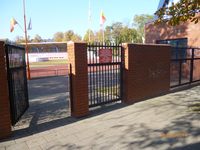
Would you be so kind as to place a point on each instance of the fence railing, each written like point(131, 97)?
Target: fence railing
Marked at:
point(105, 73)
point(49, 72)
point(185, 66)
point(47, 66)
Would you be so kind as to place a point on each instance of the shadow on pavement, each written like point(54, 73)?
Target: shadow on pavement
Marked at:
point(160, 123)
point(37, 128)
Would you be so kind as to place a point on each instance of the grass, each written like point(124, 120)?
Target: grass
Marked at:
point(48, 63)
point(108, 90)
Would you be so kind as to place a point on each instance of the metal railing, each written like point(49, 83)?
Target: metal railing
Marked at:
point(48, 72)
point(105, 73)
point(185, 66)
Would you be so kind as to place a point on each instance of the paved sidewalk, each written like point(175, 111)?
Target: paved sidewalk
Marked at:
point(49, 101)
point(167, 122)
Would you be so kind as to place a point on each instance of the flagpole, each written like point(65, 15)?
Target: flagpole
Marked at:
point(102, 29)
point(103, 32)
point(89, 17)
point(26, 41)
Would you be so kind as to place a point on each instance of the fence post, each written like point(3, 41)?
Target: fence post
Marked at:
point(77, 56)
point(5, 122)
point(192, 66)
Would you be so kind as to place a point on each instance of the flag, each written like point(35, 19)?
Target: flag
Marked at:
point(13, 22)
point(30, 25)
point(102, 18)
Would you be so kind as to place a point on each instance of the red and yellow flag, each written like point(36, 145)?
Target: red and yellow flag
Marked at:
point(13, 22)
point(102, 18)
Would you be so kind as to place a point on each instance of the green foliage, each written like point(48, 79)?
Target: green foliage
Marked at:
point(67, 36)
point(129, 35)
point(180, 12)
point(37, 38)
point(21, 39)
point(71, 36)
point(58, 36)
point(117, 33)
point(98, 36)
point(106, 90)
point(139, 22)
point(86, 36)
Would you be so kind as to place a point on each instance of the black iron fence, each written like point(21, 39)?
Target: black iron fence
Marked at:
point(185, 66)
point(105, 73)
point(17, 81)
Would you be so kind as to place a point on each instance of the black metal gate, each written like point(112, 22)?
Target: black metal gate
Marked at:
point(17, 81)
point(105, 73)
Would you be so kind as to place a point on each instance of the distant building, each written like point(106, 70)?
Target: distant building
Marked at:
point(183, 35)
point(47, 47)
point(45, 51)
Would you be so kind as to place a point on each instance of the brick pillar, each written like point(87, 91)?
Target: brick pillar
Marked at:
point(77, 56)
point(5, 122)
point(147, 71)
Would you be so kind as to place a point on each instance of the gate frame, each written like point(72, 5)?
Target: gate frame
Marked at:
point(13, 109)
point(94, 63)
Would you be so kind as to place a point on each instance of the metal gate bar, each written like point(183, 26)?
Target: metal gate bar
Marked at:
point(105, 78)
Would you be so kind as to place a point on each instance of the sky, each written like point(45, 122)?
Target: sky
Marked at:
point(51, 16)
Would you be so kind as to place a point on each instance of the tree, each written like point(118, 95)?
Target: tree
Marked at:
point(116, 31)
point(21, 39)
point(129, 35)
point(121, 34)
point(58, 37)
point(77, 38)
point(37, 38)
point(71, 36)
point(99, 36)
point(86, 36)
point(139, 22)
point(68, 35)
point(182, 11)
point(108, 34)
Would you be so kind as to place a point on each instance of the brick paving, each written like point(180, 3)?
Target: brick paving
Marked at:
point(166, 122)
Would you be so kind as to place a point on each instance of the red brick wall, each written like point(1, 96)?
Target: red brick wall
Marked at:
point(163, 31)
point(5, 122)
point(147, 71)
point(77, 53)
point(187, 30)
